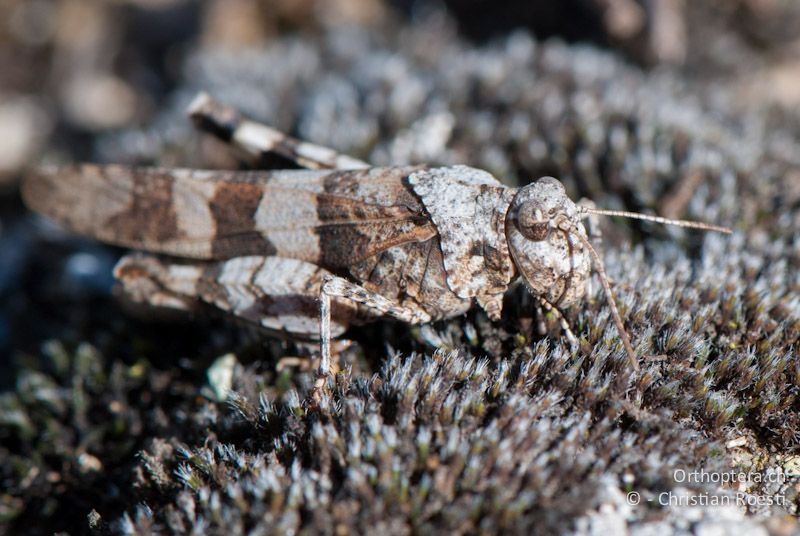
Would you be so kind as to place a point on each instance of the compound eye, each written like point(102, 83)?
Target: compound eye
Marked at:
point(532, 223)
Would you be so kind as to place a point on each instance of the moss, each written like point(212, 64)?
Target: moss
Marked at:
point(505, 430)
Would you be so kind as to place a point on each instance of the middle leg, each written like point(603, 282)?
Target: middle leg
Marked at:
point(338, 287)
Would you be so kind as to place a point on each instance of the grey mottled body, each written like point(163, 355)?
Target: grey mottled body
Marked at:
point(430, 239)
point(308, 252)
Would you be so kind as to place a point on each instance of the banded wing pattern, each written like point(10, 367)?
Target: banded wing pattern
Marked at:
point(330, 218)
point(275, 293)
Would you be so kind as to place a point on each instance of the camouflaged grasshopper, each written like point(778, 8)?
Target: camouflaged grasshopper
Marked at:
point(309, 252)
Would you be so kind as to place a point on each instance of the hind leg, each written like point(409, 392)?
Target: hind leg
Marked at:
point(272, 292)
point(259, 140)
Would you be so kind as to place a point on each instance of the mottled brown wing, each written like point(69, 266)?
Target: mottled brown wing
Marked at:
point(330, 218)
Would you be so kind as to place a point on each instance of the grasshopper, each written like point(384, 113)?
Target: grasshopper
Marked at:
point(309, 252)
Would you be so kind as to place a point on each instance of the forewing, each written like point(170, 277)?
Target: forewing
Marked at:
point(329, 218)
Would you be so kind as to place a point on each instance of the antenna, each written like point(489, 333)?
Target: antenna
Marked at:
point(601, 271)
point(598, 262)
point(658, 219)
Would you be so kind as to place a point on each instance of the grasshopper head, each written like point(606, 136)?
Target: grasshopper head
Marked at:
point(540, 228)
point(552, 252)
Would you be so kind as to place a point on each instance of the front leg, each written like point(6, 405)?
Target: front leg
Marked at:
point(338, 287)
point(562, 321)
point(595, 234)
point(592, 221)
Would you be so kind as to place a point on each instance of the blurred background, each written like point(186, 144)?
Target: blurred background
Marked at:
point(686, 108)
point(75, 70)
